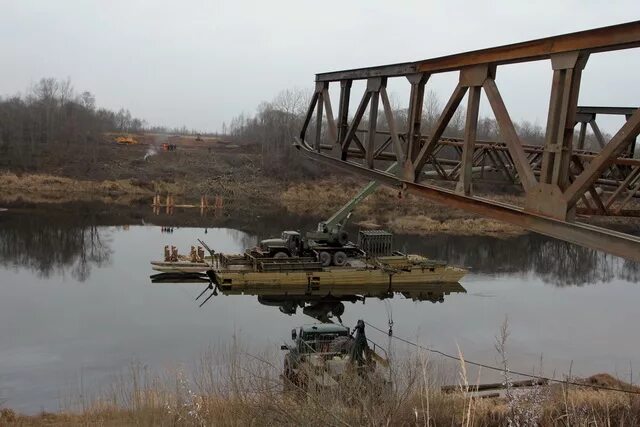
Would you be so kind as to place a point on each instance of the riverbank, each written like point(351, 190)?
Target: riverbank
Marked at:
point(259, 401)
point(319, 199)
point(387, 209)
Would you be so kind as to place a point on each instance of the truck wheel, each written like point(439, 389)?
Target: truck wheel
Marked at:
point(339, 258)
point(280, 254)
point(324, 258)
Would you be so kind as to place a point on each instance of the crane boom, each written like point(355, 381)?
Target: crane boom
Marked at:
point(332, 227)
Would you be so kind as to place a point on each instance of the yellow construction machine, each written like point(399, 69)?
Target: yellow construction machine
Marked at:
point(126, 140)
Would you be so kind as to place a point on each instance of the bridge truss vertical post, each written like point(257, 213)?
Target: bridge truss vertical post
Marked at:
point(343, 115)
point(373, 87)
point(414, 122)
point(472, 78)
point(547, 199)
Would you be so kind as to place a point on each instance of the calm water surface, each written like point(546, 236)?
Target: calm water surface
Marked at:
point(76, 301)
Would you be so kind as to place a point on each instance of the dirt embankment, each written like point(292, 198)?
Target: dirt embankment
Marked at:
point(319, 198)
point(118, 173)
point(121, 174)
point(386, 208)
point(57, 189)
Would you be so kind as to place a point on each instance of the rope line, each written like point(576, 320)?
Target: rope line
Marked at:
point(495, 368)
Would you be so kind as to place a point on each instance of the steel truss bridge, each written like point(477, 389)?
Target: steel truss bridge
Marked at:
point(562, 182)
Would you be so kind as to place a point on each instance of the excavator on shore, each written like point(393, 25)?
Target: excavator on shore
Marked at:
point(126, 140)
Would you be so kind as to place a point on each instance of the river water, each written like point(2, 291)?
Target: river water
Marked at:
point(77, 305)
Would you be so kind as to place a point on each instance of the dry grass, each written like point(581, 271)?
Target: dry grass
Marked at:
point(385, 208)
point(48, 183)
point(235, 388)
point(477, 226)
point(39, 188)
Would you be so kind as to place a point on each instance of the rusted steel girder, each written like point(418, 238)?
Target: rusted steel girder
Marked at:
point(616, 243)
point(615, 37)
point(554, 177)
point(616, 183)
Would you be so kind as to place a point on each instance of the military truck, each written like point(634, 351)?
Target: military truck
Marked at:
point(329, 243)
point(323, 354)
point(291, 244)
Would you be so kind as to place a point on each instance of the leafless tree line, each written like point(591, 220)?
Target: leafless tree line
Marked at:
point(52, 112)
point(275, 124)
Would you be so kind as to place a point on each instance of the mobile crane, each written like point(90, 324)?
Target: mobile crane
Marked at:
point(329, 243)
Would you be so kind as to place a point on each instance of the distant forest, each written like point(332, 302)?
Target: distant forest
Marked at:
point(51, 117)
point(51, 112)
point(275, 124)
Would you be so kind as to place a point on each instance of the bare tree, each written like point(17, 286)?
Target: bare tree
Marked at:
point(430, 110)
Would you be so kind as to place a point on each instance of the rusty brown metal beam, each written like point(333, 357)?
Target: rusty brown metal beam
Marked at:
point(592, 172)
point(528, 148)
point(615, 37)
point(513, 143)
point(616, 111)
point(391, 122)
point(624, 186)
point(441, 125)
point(414, 116)
point(620, 244)
point(350, 135)
point(473, 108)
point(554, 176)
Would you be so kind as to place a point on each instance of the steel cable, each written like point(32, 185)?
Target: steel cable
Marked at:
point(495, 368)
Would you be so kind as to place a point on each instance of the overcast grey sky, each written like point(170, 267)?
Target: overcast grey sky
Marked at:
point(200, 63)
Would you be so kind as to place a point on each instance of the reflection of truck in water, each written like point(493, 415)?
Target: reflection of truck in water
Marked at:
point(325, 355)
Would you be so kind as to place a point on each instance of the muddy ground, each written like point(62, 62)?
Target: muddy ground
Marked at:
point(125, 174)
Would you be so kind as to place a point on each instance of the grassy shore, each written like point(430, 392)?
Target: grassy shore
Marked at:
point(246, 390)
point(318, 198)
point(387, 209)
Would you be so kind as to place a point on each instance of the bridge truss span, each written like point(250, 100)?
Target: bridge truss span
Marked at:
point(562, 182)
